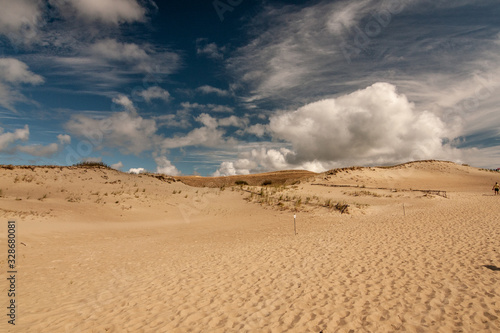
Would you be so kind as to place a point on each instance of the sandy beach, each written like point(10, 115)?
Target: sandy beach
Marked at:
point(410, 248)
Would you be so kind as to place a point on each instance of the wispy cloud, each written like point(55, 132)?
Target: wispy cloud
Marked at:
point(154, 93)
point(210, 50)
point(207, 107)
point(299, 54)
point(208, 135)
point(13, 73)
point(107, 11)
point(129, 132)
point(206, 89)
point(20, 20)
point(39, 149)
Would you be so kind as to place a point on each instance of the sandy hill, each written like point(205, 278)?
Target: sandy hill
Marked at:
point(286, 177)
point(412, 247)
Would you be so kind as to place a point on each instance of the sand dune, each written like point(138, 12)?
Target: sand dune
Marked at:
point(107, 251)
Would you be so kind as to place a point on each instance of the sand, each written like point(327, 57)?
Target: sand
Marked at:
point(106, 251)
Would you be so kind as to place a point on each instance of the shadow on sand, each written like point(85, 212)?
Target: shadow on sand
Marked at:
point(493, 268)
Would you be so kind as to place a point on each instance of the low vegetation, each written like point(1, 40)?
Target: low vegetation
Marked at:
point(275, 198)
point(90, 164)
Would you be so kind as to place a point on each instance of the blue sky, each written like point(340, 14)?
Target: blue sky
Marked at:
point(237, 86)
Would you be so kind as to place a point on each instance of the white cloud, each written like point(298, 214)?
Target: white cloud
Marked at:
point(154, 93)
point(15, 71)
point(136, 58)
point(188, 105)
point(107, 11)
point(19, 20)
point(211, 50)
point(371, 126)
point(220, 108)
point(209, 135)
point(12, 74)
point(64, 139)
point(259, 130)
point(7, 138)
point(180, 119)
point(232, 121)
point(163, 165)
point(39, 150)
point(111, 49)
point(256, 160)
point(206, 89)
point(136, 170)
point(228, 169)
point(117, 165)
point(127, 131)
point(92, 159)
point(207, 107)
point(207, 120)
point(125, 102)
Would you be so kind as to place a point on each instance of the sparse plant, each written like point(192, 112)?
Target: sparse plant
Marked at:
point(73, 198)
point(342, 208)
point(91, 164)
point(298, 203)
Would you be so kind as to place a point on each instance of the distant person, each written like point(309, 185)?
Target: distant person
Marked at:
point(496, 188)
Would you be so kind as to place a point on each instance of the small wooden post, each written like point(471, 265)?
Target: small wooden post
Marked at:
point(404, 211)
point(294, 224)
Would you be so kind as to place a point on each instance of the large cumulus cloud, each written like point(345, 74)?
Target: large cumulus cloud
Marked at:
point(375, 125)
